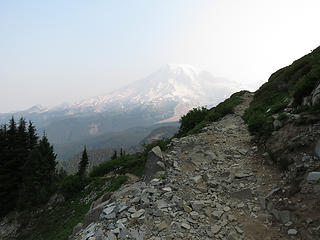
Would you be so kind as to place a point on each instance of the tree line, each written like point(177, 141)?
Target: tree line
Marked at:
point(27, 166)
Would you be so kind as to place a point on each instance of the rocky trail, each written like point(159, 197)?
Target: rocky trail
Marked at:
point(215, 186)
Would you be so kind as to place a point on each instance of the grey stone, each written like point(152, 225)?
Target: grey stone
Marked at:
point(242, 194)
point(277, 124)
point(77, 228)
point(217, 214)
point(241, 174)
point(55, 199)
point(292, 231)
point(262, 202)
point(197, 179)
point(194, 215)
point(226, 209)
point(167, 189)
point(306, 101)
point(197, 205)
point(156, 182)
point(109, 210)
point(211, 154)
point(313, 176)
point(137, 235)
point(161, 164)
point(135, 200)
point(316, 96)
point(138, 214)
point(232, 236)
point(111, 236)
point(163, 225)
point(105, 197)
point(215, 229)
point(284, 216)
point(162, 204)
point(151, 167)
point(239, 230)
point(132, 209)
point(99, 235)
point(273, 191)
point(122, 208)
point(185, 226)
point(275, 213)
point(270, 206)
point(317, 149)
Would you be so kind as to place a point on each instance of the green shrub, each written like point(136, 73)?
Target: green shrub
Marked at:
point(258, 123)
point(305, 85)
point(72, 185)
point(282, 116)
point(117, 182)
point(197, 118)
point(162, 143)
point(277, 107)
point(120, 165)
point(191, 119)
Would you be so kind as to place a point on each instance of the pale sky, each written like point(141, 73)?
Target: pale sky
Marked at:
point(64, 51)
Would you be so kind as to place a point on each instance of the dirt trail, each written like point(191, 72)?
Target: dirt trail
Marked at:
point(214, 188)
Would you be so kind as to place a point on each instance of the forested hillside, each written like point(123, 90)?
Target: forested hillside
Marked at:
point(27, 167)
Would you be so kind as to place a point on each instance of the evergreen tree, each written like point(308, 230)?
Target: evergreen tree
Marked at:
point(48, 161)
point(27, 167)
point(38, 174)
point(83, 163)
point(10, 175)
point(114, 156)
point(32, 136)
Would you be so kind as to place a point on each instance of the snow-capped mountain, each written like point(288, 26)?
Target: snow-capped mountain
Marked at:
point(180, 83)
point(163, 96)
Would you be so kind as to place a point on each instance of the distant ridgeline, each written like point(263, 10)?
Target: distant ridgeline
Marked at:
point(27, 167)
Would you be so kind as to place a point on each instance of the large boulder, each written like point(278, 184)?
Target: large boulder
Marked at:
point(154, 163)
point(316, 96)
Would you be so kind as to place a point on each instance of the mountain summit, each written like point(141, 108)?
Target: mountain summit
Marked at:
point(180, 83)
point(163, 96)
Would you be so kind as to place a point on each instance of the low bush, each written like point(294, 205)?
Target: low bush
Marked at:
point(197, 118)
point(305, 85)
point(282, 116)
point(120, 165)
point(191, 119)
point(72, 185)
point(117, 182)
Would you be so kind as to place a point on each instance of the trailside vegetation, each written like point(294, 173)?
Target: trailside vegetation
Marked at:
point(127, 163)
point(197, 118)
point(291, 83)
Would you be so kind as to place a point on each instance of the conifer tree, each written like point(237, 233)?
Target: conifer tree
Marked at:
point(114, 156)
point(27, 166)
point(48, 161)
point(32, 136)
point(83, 163)
point(38, 174)
point(121, 152)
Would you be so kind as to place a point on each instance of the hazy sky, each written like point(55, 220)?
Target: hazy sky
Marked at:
point(63, 51)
